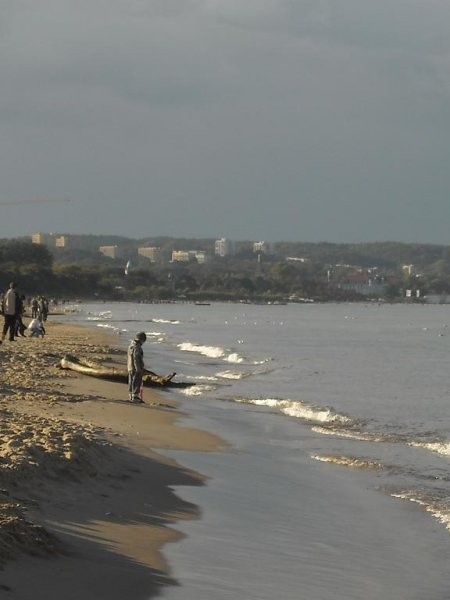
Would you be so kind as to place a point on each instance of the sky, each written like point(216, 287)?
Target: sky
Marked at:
point(276, 120)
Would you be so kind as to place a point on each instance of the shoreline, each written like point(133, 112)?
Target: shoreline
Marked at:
point(86, 501)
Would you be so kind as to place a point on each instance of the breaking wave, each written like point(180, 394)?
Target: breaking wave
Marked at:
point(438, 447)
point(211, 352)
point(299, 410)
point(198, 390)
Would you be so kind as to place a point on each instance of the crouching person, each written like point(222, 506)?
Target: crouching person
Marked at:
point(135, 366)
point(36, 328)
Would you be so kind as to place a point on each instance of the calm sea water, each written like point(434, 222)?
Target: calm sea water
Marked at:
point(338, 484)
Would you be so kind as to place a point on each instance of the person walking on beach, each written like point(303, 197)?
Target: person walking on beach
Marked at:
point(135, 366)
point(34, 307)
point(20, 327)
point(11, 307)
point(42, 308)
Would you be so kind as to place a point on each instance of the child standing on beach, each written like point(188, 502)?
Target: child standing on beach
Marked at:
point(135, 366)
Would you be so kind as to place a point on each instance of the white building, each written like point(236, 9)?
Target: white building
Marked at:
point(261, 247)
point(189, 255)
point(43, 239)
point(110, 251)
point(62, 241)
point(153, 253)
point(223, 247)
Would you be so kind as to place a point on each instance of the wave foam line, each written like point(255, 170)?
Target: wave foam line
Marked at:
point(437, 447)
point(437, 508)
point(115, 330)
point(349, 461)
point(351, 435)
point(174, 322)
point(299, 410)
point(198, 390)
point(232, 375)
point(107, 314)
point(211, 352)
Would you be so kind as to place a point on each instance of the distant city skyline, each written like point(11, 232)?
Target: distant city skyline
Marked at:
point(279, 120)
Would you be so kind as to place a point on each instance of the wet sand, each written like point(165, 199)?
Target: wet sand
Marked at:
point(86, 500)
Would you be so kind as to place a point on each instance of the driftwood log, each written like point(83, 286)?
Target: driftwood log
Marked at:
point(88, 367)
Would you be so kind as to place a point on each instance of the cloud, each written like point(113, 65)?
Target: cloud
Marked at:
point(280, 110)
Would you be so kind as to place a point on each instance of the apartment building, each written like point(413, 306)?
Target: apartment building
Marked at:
point(153, 253)
point(110, 251)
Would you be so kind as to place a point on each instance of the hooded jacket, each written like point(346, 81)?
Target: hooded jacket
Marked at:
point(135, 357)
point(11, 302)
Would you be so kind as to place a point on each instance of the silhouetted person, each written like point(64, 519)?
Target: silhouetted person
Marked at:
point(135, 366)
point(11, 307)
point(20, 327)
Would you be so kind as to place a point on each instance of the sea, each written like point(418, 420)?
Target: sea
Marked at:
point(336, 484)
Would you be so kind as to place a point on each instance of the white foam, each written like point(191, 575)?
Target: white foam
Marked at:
point(231, 375)
point(438, 447)
point(262, 362)
point(113, 328)
point(211, 352)
point(299, 410)
point(348, 461)
point(270, 402)
point(349, 435)
point(107, 314)
point(197, 390)
point(442, 514)
point(234, 357)
point(165, 321)
point(310, 413)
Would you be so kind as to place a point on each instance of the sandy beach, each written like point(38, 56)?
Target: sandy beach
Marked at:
point(86, 500)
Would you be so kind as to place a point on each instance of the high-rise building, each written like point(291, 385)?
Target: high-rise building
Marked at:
point(261, 248)
point(222, 247)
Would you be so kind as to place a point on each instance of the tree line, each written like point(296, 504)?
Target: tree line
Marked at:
point(317, 273)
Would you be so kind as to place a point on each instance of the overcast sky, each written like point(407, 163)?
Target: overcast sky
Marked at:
point(301, 120)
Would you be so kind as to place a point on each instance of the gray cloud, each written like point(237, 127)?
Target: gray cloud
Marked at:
point(278, 119)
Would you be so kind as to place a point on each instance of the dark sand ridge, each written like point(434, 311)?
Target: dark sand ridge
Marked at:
point(86, 502)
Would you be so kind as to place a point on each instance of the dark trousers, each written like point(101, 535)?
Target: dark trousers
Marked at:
point(20, 327)
point(9, 325)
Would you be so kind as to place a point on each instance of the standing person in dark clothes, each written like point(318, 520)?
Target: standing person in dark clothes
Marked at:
point(135, 366)
point(42, 308)
point(34, 307)
point(20, 327)
point(11, 306)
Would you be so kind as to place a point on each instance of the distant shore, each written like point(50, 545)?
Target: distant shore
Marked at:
point(85, 501)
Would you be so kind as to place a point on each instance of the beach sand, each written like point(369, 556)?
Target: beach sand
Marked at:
point(86, 501)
